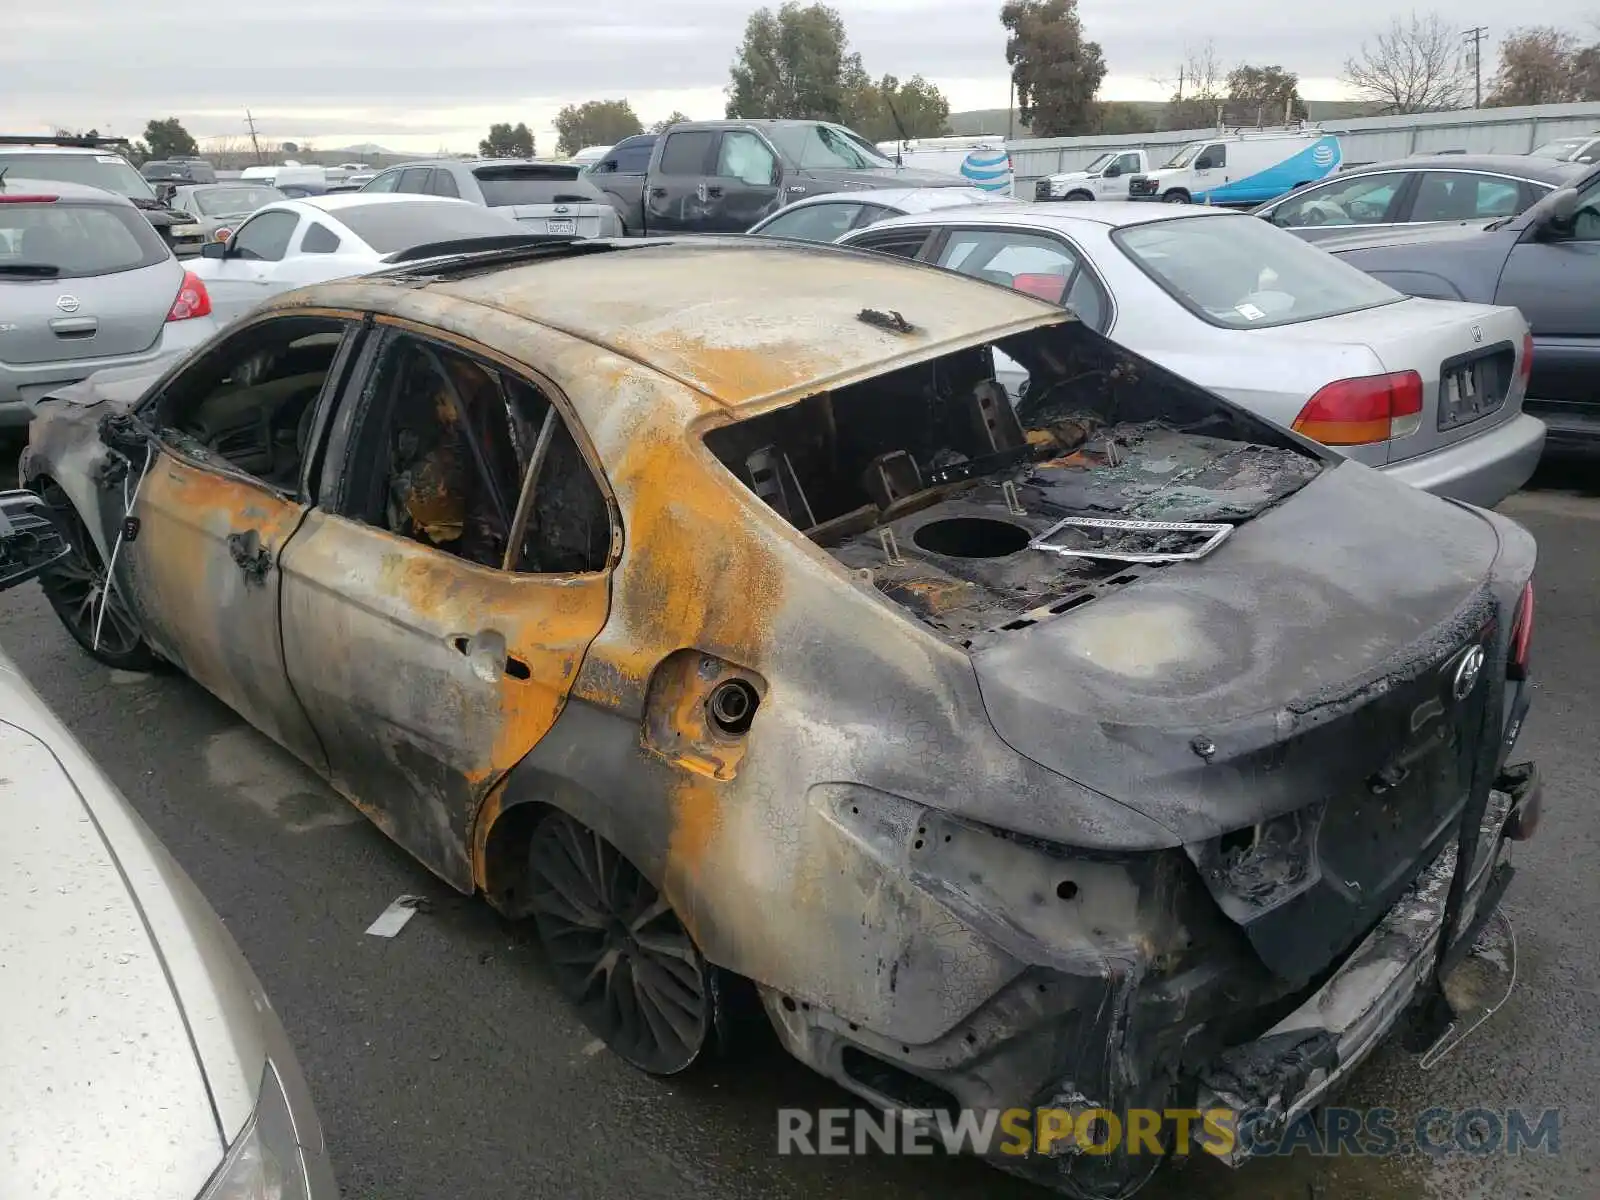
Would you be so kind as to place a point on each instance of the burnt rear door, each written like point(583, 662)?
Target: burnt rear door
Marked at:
point(428, 667)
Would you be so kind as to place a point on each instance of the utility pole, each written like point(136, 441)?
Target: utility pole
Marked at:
point(1011, 108)
point(255, 142)
point(1475, 35)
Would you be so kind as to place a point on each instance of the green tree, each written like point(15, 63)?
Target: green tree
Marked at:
point(920, 107)
point(1538, 65)
point(667, 122)
point(594, 123)
point(1264, 95)
point(1120, 116)
point(1056, 71)
point(794, 62)
point(507, 141)
point(168, 139)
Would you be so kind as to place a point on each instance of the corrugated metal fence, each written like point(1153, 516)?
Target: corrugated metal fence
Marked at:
point(1364, 139)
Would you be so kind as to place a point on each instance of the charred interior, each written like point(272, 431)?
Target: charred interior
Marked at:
point(983, 501)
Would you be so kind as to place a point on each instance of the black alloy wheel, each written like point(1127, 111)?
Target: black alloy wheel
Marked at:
point(618, 951)
point(75, 586)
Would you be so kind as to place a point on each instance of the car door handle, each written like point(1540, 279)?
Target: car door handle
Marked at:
point(251, 557)
point(658, 193)
point(487, 655)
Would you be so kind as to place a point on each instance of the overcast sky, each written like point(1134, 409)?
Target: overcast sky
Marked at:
point(418, 75)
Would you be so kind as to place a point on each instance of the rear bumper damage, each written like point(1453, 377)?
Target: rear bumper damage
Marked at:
point(1140, 1033)
point(1296, 1065)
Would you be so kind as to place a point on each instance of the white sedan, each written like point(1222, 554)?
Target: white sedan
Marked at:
point(1429, 390)
point(296, 242)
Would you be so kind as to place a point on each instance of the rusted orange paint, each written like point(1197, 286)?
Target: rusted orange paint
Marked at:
point(196, 598)
point(677, 725)
point(546, 621)
point(732, 374)
point(488, 813)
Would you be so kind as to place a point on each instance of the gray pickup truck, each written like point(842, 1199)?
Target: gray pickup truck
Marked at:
point(724, 176)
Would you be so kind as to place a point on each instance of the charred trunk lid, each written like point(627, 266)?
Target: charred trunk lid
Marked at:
point(1292, 706)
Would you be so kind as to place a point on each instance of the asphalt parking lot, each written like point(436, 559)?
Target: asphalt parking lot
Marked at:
point(444, 1065)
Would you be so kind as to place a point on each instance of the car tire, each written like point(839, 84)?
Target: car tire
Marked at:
point(1080, 196)
point(74, 588)
point(619, 953)
point(1175, 196)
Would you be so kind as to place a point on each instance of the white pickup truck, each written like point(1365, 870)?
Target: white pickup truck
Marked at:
point(1106, 178)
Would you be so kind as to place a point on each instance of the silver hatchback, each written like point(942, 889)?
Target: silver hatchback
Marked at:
point(85, 283)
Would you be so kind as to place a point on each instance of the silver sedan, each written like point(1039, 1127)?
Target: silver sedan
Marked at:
point(140, 1056)
point(1429, 390)
point(824, 217)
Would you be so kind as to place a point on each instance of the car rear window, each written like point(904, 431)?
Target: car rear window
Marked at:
point(406, 223)
point(230, 202)
point(1239, 272)
point(76, 239)
point(526, 183)
point(109, 171)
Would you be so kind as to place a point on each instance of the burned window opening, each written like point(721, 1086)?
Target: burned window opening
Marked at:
point(476, 462)
point(931, 481)
point(251, 401)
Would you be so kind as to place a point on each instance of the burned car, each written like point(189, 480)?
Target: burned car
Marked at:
point(1115, 750)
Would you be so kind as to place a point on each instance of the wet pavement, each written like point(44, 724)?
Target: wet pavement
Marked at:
point(444, 1065)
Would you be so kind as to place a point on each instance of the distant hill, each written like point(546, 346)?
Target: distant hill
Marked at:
point(993, 120)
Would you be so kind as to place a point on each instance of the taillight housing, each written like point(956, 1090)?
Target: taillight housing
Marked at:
point(192, 300)
point(1521, 636)
point(222, 235)
point(1358, 412)
point(1525, 371)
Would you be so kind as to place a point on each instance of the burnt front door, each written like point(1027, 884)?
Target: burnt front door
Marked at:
point(222, 500)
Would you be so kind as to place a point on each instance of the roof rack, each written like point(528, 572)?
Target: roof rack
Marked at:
point(79, 142)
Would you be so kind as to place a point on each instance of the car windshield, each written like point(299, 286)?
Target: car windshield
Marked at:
point(819, 145)
point(1242, 273)
point(406, 223)
point(1182, 157)
point(235, 201)
point(68, 241)
point(1099, 162)
point(1562, 148)
point(109, 171)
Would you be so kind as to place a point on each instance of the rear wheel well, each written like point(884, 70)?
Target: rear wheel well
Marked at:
point(505, 856)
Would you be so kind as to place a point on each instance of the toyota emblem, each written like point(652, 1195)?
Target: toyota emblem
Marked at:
point(1467, 672)
point(67, 304)
point(1477, 333)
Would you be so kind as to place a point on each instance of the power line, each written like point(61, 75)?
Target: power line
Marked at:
point(1476, 36)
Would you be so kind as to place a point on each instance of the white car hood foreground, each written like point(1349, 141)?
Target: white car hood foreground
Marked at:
point(135, 1034)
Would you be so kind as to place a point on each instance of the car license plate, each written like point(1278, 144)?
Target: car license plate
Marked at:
point(1468, 392)
point(561, 225)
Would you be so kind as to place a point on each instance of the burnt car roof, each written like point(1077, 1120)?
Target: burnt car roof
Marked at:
point(739, 320)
